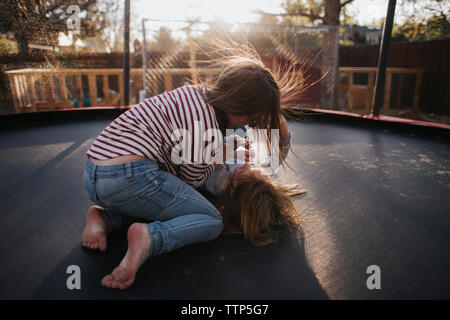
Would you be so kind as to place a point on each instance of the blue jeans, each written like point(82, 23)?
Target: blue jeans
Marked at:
point(138, 190)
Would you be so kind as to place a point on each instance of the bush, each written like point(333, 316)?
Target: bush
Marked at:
point(8, 47)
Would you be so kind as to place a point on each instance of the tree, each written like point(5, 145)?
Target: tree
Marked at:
point(39, 21)
point(7, 46)
point(424, 20)
point(436, 27)
point(312, 12)
point(163, 40)
point(419, 11)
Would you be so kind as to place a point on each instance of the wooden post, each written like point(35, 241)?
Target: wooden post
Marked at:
point(92, 89)
point(13, 93)
point(121, 89)
point(79, 86)
point(20, 93)
point(47, 82)
point(63, 88)
point(167, 81)
point(106, 89)
point(31, 83)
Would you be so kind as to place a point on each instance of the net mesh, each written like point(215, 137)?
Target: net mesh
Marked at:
point(180, 52)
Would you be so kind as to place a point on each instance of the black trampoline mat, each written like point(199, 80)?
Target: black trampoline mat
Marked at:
point(375, 196)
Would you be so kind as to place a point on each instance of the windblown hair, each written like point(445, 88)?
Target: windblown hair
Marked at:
point(245, 86)
point(259, 209)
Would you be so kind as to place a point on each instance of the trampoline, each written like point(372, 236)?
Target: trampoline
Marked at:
point(377, 194)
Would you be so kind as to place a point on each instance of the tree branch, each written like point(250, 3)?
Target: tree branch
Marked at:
point(58, 5)
point(297, 13)
point(343, 4)
point(434, 9)
point(55, 6)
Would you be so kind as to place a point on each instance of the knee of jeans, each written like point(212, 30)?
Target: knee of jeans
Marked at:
point(219, 228)
point(219, 221)
point(214, 229)
point(216, 225)
point(215, 213)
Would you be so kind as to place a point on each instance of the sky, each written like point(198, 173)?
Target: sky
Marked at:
point(233, 11)
point(365, 12)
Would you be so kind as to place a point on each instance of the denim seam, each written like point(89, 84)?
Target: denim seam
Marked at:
point(186, 197)
point(189, 225)
point(152, 201)
point(209, 206)
point(153, 237)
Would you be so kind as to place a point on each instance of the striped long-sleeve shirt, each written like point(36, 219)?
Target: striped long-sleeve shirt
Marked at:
point(156, 125)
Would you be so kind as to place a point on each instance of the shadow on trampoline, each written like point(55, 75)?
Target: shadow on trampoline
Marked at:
point(227, 268)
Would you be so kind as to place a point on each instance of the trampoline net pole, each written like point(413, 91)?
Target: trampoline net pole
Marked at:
point(126, 55)
point(378, 98)
point(176, 52)
point(144, 62)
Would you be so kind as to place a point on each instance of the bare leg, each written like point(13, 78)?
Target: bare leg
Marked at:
point(138, 251)
point(95, 231)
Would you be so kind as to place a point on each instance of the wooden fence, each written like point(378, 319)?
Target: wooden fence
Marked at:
point(358, 97)
point(46, 89)
point(431, 56)
point(428, 60)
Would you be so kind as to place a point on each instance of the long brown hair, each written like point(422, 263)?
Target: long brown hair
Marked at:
point(245, 86)
point(258, 208)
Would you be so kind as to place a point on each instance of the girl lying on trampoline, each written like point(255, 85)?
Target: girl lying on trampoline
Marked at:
point(132, 170)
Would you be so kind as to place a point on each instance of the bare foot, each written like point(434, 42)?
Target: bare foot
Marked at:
point(138, 251)
point(94, 235)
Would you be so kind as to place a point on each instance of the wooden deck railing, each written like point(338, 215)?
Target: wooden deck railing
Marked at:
point(46, 89)
point(359, 96)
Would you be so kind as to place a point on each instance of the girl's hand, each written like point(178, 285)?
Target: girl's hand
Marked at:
point(244, 151)
point(229, 151)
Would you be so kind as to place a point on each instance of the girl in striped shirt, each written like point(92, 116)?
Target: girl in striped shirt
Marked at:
point(147, 163)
